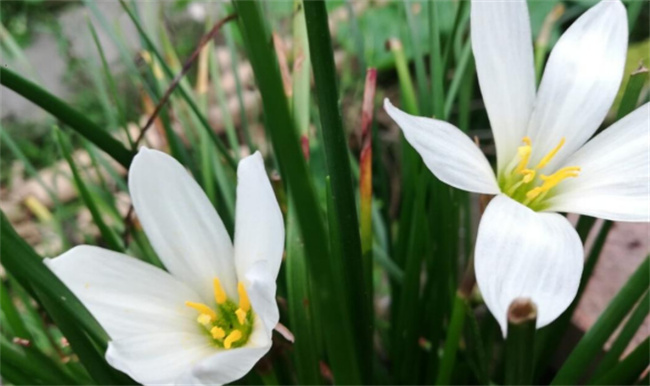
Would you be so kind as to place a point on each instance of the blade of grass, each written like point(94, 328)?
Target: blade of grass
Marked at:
point(337, 326)
point(631, 95)
point(26, 266)
point(623, 339)
point(418, 59)
point(86, 351)
point(356, 270)
point(66, 114)
point(629, 369)
point(107, 233)
point(456, 324)
point(111, 84)
point(598, 334)
point(436, 70)
point(182, 90)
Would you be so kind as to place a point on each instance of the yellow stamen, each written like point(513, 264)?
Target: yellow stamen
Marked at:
point(203, 309)
point(529, 175)
point(241, 315)
point(232, 338)
point(219, 293)
point(524, 155)
point(217, 332)
point(552, 180)
point(527, 141)
point(204, 319)
point(244, 303)
point(548, 157)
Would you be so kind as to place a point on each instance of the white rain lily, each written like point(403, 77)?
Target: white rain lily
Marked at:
point(545, 160)
point(210, 318)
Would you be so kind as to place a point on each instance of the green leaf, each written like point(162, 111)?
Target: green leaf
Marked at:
point(629, 369)
point(456, 324)
point(336, 320)
point(66, 114)
point(606, 324)
point(356, 271)
point(107, 233)
point(623, 339)
point(26, 266)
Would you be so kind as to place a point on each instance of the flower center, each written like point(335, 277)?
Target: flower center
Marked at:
point(230, 325)
point(525, 184)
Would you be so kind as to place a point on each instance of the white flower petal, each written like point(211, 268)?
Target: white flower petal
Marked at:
point(227, 366)
point(450, 154)
point(503, 50)
point(127, 296)
point(614, 181)
point(181, 223)
point(157, 358)
point(521, 253)
point(259, 237)
point(580, 82)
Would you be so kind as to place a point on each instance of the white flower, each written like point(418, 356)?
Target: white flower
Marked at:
point(545, 163)
point(208, 320)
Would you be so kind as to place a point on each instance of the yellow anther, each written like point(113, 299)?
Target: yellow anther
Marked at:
point(244, 303)
point(529, 175)
point(524, 155)
point(204, 319)
point(533, 193)
point(217, 332)
point(219, 293)
point(203, 309)
point(241, 315)
point(548, 157)
point(232, 338)
point(552, 180)
point(527, 141)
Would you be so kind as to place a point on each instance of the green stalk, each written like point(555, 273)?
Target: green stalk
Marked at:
point(632, 91)
point(86, 351)
point(66, 114)
point(522, 318)
point(598, 334)
point(409, 99)
point(437, 70)
point(108, 235)
point(418, 59)
point(408, 310)
point(338, 331)
point(456, 324)
point(338, 169)
point(300, 306)
point(629, 369)
point(234, 64)
point(459, 75)
point(307, 347)
point(26, 266)
point(624, 337)
point(185, 94)
point(12, 315)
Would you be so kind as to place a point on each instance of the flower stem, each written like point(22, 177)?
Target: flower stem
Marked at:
point(522, 318)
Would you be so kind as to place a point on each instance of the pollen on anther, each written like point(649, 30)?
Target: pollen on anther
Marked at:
point(232, 338)
point(241, 315)
point(204, 319)
point(244, 303)
point(217, 333)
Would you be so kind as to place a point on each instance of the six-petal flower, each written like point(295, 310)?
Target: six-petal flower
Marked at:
point(523, 248)
point(210, 318)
